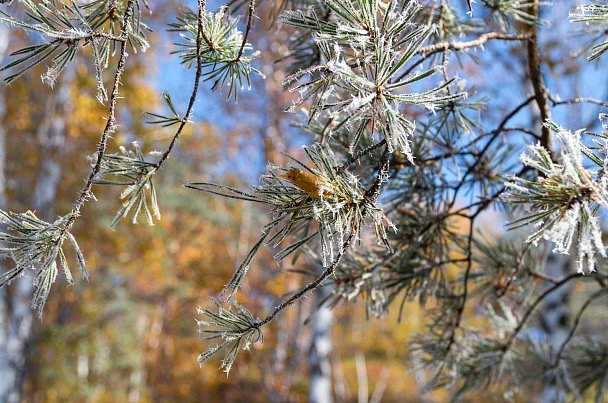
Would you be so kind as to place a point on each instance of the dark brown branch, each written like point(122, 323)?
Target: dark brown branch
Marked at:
point(201, 32)
point(520, 264)
point(538, 83)
point(309, 287)
point(532, 307)
point(465, 287)
point(85, 193)
point(577, 320)
point(494, 133)
point(197, 78)
point(353, 158)
point(247, 30)
point(542, 276)
point(371, 194)
point(105, 35)
point(325, 130)
point(523, 130)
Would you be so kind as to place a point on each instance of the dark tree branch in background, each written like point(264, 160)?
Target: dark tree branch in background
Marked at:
point(520, 264)
point(371, 194)
point(580, 100)
point(598, 294)
point(465, 287)
point(430, 50)
point(354, 158)
point(538, 83)
point(494, 133)
point(524, 319)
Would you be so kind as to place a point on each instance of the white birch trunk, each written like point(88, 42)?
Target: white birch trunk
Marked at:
point(16, 315)
point(9, 345)
point(319, 359)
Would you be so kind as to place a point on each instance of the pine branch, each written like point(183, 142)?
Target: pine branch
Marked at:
point(595, 17)
point(430, 50)
point(598, 294)
point(578, 100)
point(250, 13)
point(304, 291)
point(41, 242)
point(110, 127)
point(197, 77)
point(220, 51)
point(465, 289)
point(524, 319)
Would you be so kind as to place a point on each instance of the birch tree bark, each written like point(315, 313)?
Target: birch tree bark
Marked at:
point(319, 390)
point(7, 372)
point(16, 316)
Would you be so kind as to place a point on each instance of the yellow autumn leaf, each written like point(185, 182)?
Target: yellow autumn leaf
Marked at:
point(308, 182)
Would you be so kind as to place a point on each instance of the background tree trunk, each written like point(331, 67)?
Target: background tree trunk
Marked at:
point(320, 390)
point(8, 374)
point(16, 316)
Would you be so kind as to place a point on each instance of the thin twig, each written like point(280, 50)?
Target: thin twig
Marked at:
point(532, 307)
point(197, 78)
point(311, 286)
point(371, 195)
point(353, 158)
point(520, 264)
point(542, 276)
point(105, 35)
point(501, 128)
point(85, 193)
point(578, 100)
point(430, 50)
point(481, 156)
point(247, 30)
point(594, 296)
point(465, 287)
point(445, 46)
point(325, 130)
